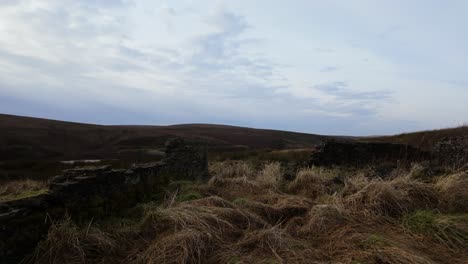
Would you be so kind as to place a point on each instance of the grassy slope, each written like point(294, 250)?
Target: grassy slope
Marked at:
point(423, 139)
point(33, 138)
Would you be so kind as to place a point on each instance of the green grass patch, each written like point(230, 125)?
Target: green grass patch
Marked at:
point(450, 230)
point(239, 201)
point(373, 241)
point(22, 195)
point(420, 222)
point(188, 196)
point(186, 190)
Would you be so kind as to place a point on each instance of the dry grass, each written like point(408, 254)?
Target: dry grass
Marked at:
point(271, 175)
point(324, 218)
point(453, 192)
point(67, 243)
point(252, 219)
point(309, 182)
point(21, 189)
point(392, 198)
point(450, 231)
point(355, 184)
point(232, 188)
point(186, 246)
point(232, 169)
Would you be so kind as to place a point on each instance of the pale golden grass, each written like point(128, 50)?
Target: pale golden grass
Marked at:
point(324, 218)
point(309, 182)
point(232, 188)
point(453, 192)
point(271, 175)
point(452, 231)
point(232, 169)
point(392, 198)
point(354, 184)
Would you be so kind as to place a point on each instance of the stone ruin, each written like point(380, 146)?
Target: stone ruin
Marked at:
point(355, 153)
point(452, 150)
point(449, 151)
point(92, 192)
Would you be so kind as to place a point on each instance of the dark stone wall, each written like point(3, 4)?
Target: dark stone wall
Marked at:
point(353, 153)
point(93, 192)
point(452, 150)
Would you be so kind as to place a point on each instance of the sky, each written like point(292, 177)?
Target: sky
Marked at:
point(339, 67)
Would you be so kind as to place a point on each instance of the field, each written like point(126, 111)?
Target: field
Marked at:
point(265, 204)
point(249, 213)
point(34, 148)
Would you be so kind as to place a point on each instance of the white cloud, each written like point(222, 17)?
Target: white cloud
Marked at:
point(323, 68)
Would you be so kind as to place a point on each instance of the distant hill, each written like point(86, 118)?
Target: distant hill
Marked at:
point(36, 138)
point(424, 139)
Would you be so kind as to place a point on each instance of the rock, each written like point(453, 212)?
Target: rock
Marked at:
point(354, 153)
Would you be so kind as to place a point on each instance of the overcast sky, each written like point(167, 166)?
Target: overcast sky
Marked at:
point(330, 67)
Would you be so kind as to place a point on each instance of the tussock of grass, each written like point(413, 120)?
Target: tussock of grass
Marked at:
point(309, 182)
point(322, 219)
point(232, 169)
point(233, 187)
point(275, 214)
point(392, 198)
point(355, 184)
point(448, 230)
point(67, 243)
point(273, 239)
point(271, 175)
point(186, 246)
point(380, 198)
point(453, 192)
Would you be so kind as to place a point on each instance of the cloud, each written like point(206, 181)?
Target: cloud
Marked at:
point(350, 102)
point(186, 62)
point(324, 50)
point(329, 69)
point(77, 62)
point(341, 92)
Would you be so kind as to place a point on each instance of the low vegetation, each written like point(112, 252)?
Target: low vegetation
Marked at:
point(18, 189)
point(249, 213)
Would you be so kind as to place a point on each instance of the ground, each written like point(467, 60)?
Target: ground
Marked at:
point(250, 213)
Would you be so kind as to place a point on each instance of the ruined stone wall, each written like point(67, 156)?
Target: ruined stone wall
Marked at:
point(452, 150)
point(353, 153)
point(93, 192)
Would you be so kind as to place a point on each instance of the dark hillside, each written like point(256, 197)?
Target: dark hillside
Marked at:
point(35, 138)
point(424, 139)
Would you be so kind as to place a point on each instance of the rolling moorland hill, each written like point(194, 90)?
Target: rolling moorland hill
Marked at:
point(36, 138)
point(423, 139)
point(358, 203)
